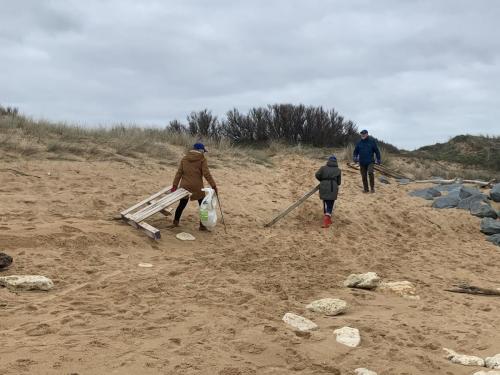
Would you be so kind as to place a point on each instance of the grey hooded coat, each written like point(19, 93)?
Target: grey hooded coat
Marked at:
point(329, 177)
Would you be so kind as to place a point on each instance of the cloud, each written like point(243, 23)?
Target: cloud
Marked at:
point(412, 72)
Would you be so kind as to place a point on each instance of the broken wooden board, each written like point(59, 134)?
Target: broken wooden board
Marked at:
point(380, 168)
point(156, 203)
point(292, 207)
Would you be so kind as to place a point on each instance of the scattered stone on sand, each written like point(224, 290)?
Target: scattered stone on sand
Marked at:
point(467, 203)
point(493, 372)
point(299, 322)
point(490, 226)
point(483, 210)
point(185, 236)
point(493, 362)
point(26, 282)
point(447, 201)
point(145, 265)
point(364, 371)
point(404, 289)
point(384, 180)
point(428, 194)
point(5, 261)
point(494, 238)
point(369, 280)
point(348, 336)
point(495, 193)
point(328, 306)
point(462, 359)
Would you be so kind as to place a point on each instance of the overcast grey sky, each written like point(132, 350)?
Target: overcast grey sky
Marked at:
point(412, 72)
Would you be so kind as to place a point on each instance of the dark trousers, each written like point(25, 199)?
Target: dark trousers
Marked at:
point(367, 172)
point(182, 205)
point(328, 207)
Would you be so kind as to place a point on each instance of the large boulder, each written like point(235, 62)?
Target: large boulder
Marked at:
point(364, 371)
point(494, 238)
point(495, 193)
point(26, 282)
point(490, 226)
point(483, 210)
point(462, 359)
point(446, 202)
point(328, 306)
point(369, 280)
point(348, 336)
point(466, 192)
point(449, 187)
point(466, 204)
point(492, 372)
point(429, 193)
point(299, 323)
point(493, 362)
point(5, 260)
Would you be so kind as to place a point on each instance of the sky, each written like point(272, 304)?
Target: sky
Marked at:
point(412, 72)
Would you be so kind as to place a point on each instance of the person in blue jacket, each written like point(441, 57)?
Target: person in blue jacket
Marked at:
point(363, 154)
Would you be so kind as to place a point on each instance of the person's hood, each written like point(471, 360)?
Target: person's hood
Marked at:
point(332, 163)
point(194, 155)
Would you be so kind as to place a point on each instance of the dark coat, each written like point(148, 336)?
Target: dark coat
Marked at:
point(192, 169)
point(365, 149)
point(329, 177)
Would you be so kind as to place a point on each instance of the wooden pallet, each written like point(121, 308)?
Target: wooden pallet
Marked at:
point(156, 203)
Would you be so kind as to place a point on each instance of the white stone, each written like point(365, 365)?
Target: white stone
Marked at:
point(404, 289)
point(26, 282)
point(493, 362)
point(462, 359)
point(487, 373)
point(348, 336)
point(369, 280)
point(328, 306)
point(145, 265)
point(185, 236)
point(364, 371)
point(299, 322)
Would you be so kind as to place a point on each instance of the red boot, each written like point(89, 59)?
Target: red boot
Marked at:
point(327, 221)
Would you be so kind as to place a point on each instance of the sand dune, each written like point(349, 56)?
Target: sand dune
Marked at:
point(214, 306)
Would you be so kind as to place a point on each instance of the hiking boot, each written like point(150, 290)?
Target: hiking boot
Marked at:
point(372, 191)
point(365, 191)
point(327, 221)
point(174, 224)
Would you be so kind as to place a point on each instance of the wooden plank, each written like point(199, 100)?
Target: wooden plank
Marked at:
point(292, 207)
point(148, 199)
point(160, 205)
point(145, 227)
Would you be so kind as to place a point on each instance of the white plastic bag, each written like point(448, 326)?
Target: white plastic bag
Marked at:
point(208, 212)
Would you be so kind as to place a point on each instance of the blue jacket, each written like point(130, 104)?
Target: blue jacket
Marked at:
point(365, 149)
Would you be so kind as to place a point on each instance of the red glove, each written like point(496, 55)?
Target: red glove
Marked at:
point(174, 188)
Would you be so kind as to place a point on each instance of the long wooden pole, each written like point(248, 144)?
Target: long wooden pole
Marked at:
point(292, 207)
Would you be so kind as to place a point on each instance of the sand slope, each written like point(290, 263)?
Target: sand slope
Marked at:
point(214, 306)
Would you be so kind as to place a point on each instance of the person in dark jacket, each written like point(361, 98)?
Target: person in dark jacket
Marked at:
point(192, 168)
point(363, 154)
point(329, 177)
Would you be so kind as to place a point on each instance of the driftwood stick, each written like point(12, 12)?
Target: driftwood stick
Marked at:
point(469, 289)
point(379, 168)
point(456, 180)
point(292, 207)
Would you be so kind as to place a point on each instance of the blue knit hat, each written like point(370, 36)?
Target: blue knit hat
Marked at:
point(332, 158)
point(199, 147)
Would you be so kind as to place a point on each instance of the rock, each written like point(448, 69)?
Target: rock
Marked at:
point(490, 226)
point(328, 306)
point(403, 181)
point(449, 187)
point(384, 180)
point(26, 282)
point(404, 289)
point(494, 238)
point(348, 336)
point(466, 192)
point(369, 280)
point(482, 210)
point(487, 373)
point(446, 202)
point(462, 359)
point(185, 236)
point(493, 362)
point(145, 265)
point(495, 193)
point(5, 260)
point(466, 204)
point(364, 371)
point(299, 322)
point(428, 194)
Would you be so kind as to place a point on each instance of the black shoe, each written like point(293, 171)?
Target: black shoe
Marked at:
point(372, 191)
